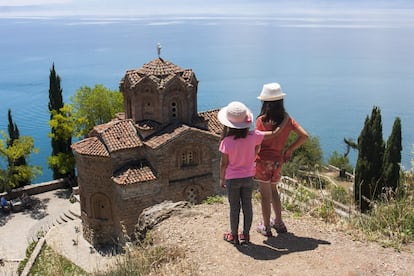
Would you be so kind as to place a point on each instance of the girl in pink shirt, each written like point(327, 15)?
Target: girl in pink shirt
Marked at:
point(239, 147)
point(273, 153)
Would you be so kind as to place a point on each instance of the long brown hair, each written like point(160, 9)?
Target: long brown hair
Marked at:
point(236, 132)
point(273, 111)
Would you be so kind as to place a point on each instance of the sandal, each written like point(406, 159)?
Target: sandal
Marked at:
point(229, 237)
point(244, 239)
point(265, 231)
point(279, 227)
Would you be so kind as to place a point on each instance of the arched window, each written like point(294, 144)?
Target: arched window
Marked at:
point(188, 158)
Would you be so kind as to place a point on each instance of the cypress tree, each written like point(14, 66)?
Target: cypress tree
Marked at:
point(55, 91)
point(13, 129)
point(368, 170)
point(361, 167)
point(14, 135)
point(59, 146)
point(377, 151)
point(392, 157)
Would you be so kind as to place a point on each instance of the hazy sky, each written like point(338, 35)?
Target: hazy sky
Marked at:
point(136, 8)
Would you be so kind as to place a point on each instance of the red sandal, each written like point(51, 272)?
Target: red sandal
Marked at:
point(229, 237)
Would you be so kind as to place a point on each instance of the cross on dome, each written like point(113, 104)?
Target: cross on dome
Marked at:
point(159, 49)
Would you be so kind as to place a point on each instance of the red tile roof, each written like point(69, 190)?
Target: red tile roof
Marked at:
point(159, 71)
point(118, 135)
point(165, 135)
point(134, 174)
point(91, 146)
point(214, 124)
point(122, 134)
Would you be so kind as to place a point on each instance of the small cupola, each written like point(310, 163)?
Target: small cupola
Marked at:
point(160, 91)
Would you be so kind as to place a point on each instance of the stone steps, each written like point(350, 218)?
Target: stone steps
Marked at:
point(72, 214)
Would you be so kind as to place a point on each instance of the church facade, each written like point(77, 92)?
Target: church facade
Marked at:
point(160, 148)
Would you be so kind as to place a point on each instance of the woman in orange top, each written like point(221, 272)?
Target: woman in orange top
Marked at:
point(273, 153)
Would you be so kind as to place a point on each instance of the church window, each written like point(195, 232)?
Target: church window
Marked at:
point(188, 158)
point(174, 109)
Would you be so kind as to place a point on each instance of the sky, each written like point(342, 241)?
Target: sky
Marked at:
point(142, 8)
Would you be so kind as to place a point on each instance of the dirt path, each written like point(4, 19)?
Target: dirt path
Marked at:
point(310, 248)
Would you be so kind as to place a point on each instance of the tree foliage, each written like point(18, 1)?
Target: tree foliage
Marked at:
point(11, 176)
point(61, 137)
point(340, 161)
point(14, 135)
point(308, 156)
point(392, 157)
point(12, 128)
point(62, 122)
point(55, 91)
point(368, 170)
point(94, 106)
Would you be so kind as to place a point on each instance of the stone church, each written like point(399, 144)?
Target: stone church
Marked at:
point(160, 148)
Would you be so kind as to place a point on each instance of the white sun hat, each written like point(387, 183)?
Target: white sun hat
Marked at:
point(271, 92)
point(235, 115)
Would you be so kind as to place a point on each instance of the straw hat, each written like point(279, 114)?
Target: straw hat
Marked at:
point(271, 92)
point(235, 115)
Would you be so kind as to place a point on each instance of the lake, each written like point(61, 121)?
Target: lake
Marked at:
point(333, 70)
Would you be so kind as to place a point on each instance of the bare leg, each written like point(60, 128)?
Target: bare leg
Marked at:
point(276, 204)
point(266, 198)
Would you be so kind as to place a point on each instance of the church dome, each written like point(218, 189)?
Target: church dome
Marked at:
point(159, 71)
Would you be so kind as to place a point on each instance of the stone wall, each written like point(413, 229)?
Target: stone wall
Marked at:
point(38, 188)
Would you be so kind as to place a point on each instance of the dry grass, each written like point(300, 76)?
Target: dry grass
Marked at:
point(147, 259)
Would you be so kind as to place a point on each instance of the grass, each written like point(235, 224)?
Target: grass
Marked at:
point(339, 194)
point(29, 251)
point(145, 258)
point(49, 262)
point(298, 203)
point(325, 211)
point(214, 199)
point(390, 220)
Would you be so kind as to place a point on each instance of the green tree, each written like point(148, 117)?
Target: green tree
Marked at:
point(60, 143)
point(368, 170)
point(94, 106)
point(392, 157)
point(307, 157)
point(55, 91)
point(15, 174)
point(340, 161)
point(63, 125)
point(14, 136)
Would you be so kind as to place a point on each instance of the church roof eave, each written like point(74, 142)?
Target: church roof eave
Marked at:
point(91, 146)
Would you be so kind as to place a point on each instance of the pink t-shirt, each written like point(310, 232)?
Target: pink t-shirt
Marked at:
point(272, 149)
point(241, 154)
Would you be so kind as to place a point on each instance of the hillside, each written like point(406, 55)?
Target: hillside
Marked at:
point(311, 247)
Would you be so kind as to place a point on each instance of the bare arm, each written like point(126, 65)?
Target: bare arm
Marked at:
point(224, 161)
point(257, 149)
point(302, 137)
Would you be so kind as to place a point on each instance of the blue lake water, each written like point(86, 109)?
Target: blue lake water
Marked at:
point(333, 70)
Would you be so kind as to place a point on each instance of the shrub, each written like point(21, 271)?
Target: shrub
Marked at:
point(214, 199)
point(390, 220)
point(339, 193)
